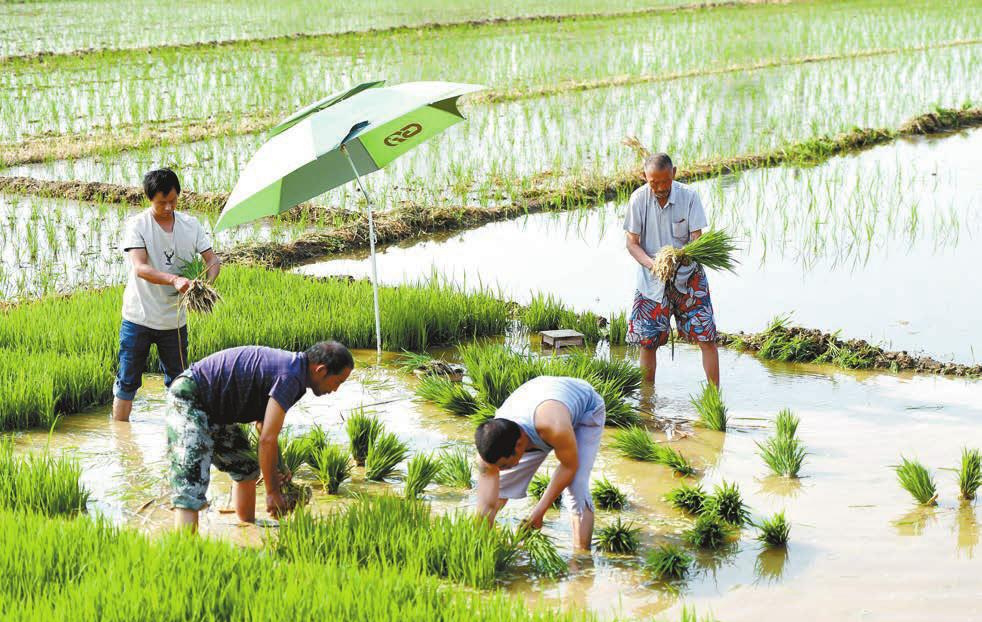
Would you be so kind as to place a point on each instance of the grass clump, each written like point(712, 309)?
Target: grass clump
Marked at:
point(786, 423)
point(672, 458)
point(710, 407)
point(618, 537)
point(333, 467)
point(40, 482)
point(537, 488)
point(635, 443)
point(455, 468)
point(317, 440)
point(727, 503)
point(668, 563)
point(385, 453)
point(783, 454)
point(709, 531)
point(607, 496)
point(619, 413)
point(970, 473)
point(363, 428)
point(688, 498)
point(542, 553)
point(420, 472)
point(448, 395)
point(774, 530)
point(916, 480)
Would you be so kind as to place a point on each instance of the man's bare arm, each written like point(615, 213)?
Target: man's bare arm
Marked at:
point(269, 452)
point(694, 235)
point(214, 264)
point(554, 424)
point(141, 264)
point(634, 247)
point(488, 486)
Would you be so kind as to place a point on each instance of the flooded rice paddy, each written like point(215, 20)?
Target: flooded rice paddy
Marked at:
point(876, 244)
point(859, 548)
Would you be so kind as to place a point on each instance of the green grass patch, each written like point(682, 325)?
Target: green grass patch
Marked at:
point(668, 563)
point(915, 479)
point(607, 496)
point(40, 482)
point(618, 537)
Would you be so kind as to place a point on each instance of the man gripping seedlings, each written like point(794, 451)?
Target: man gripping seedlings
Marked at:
point(548, 413)
point(664, 212)
point(159, 242)
point(249, 384)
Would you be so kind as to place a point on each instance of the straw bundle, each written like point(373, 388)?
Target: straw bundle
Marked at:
point(200, 297)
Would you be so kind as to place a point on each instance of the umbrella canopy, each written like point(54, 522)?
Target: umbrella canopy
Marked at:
point(303, 157)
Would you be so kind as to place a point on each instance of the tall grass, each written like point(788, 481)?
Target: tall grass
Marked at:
point(333, 467)
point(915, 479)
point(40, 482)
point(420, 472)
point(710, 407)
point(362, 428)
point(970, 473)
point(384, 454)
point(455, 468)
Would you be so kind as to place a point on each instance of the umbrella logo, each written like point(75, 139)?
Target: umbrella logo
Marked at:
point(402, 135)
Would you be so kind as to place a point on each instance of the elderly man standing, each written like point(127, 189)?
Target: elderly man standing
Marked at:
point(664, 212)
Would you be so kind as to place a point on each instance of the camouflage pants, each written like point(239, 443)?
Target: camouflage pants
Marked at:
point(193, 446)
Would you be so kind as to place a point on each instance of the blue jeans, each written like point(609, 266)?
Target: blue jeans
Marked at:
point(134, 348)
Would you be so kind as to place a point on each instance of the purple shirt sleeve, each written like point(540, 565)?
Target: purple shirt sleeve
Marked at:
point(287, 391)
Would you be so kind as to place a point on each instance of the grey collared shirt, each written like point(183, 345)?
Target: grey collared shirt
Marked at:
point(663, 226)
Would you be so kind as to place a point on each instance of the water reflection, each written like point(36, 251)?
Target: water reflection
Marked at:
point(968, 530)
point(914, 522)
point(770, 563)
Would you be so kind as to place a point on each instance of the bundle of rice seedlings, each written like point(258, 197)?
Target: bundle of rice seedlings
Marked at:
point(774, 530)
point(420, 472)
point(607, 496)
point(635, 443)
point(483, 412)
point(710, 407)
point(970, 473)
point(362, 429)
point(451, 396)
point(634, 144)
point(618, 537)
point(409, 361)
point(383, 455)
point(784, 454)
point(294, 452)
point(317, 440)
point(543, 556)
point(671, 457)
point(537, 488)
point(688, 498)
point(726, 503)
point(296, 495)
point(668, 563)
point(455, 468)
point(709, 531)
point(786, 423)
point(333, 467)
point(714, 250)
point(917, 481)
point(200, 297)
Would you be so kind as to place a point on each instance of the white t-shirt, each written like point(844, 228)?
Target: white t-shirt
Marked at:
point(147, 304)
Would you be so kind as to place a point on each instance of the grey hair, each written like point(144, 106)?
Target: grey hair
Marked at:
point(658, 162)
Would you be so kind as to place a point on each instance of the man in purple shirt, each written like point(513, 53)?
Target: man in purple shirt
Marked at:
point(209, 401)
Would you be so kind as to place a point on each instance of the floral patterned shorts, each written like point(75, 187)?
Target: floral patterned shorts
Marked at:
point(650, 321)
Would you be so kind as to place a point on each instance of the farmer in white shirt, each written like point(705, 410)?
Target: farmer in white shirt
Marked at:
point(159, 242)
point(664, 212)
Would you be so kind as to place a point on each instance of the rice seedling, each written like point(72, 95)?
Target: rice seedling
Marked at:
point(200, 297)
point(687, 498)
point(970, 473)
point(635, 443)
point(713, 249)
point(420, 472)
point(294, 452)
point(727, 503)
point(915, 479)
point(618, 537)
point(607, 496)
point(619, 413)
point(317, 441)
point(668, 563)
point(384, 454)
point(451, 396)
point(40, 482)
point(774, 530)
point(483, 412)
point(672, 458)
point(709, 531)
point(542, 553)
point(783, 454)
point(537, 488)
point(410, 361)
point(363, 428)
point(333, 467)
point(455, 468)
point(710, 407)
point(786, 423)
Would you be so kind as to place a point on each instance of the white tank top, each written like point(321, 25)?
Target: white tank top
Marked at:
point(577, 395)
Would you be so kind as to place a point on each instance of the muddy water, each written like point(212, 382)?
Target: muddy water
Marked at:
point(860, 548)
point(875, 244)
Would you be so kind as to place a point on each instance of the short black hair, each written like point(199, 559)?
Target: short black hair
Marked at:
point(331, 354)
point(658, 162)
point(161, 180)
point(496, 439)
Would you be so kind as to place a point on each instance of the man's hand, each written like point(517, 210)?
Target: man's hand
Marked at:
point(534, 520)
point(181, 284)
point(276, 504)
point(286, 476)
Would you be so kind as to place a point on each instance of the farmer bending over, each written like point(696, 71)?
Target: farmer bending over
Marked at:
point(664, 212)
point(250, 384)
point(159, 242)
point(544, 414)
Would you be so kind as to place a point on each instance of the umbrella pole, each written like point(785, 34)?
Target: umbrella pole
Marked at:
point(371, 244)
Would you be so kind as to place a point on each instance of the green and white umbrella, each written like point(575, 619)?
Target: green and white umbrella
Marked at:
point(337, 140)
